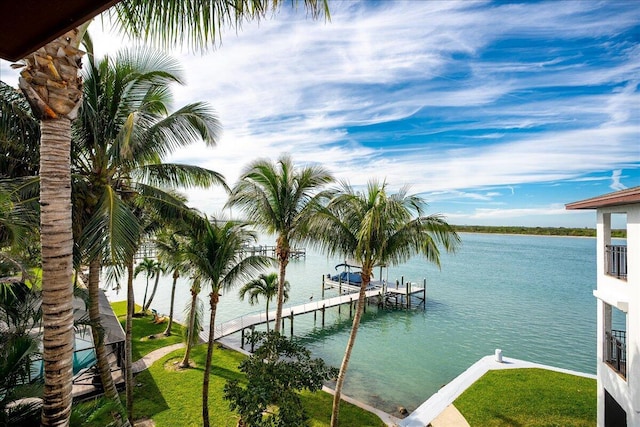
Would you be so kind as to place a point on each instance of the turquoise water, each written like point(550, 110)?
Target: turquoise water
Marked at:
point(530, 296)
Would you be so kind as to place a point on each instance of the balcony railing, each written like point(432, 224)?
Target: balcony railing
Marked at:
point(616, 351)
point(617, 261)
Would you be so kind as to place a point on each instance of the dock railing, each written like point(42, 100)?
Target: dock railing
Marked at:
point(249, 320)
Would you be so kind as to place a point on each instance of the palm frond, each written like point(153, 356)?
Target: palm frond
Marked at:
point(177, 175)
point(196, 24)
point(113, 232)
point(19, 135)
point(185, 126)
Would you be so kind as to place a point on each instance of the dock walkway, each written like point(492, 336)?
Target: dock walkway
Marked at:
point(244, 322)
point(398, 294)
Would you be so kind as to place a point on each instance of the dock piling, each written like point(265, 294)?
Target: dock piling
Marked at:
point(291, 316)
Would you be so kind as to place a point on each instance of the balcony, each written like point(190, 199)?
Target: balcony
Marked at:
point(616, 351)
point(617, 261)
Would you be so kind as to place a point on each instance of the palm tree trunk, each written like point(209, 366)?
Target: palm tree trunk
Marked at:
point(176, 275)
point(128, 355)
point(192, 321)
point(57, 285)
point(267, 315)
point(104, 369)
point(153, 292)
point(283, 260)
point(214, 297)
point(144, 299)
point(366, 277)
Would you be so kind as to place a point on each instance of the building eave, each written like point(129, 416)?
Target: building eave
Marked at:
point(617, 198)
point(27, 25)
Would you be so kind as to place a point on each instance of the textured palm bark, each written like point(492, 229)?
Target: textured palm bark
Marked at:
point(104, 369)
point(128, 354)
point(213, 301)
point(366, 278)
point(176, 275)
point(282, 253)
point(192, 321)
point(53, 87)
point(57, 287)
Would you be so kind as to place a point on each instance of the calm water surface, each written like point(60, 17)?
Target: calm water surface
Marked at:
point(530, 296)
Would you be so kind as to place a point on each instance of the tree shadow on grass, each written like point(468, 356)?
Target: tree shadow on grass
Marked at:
point(227, 374)
point(148, 399)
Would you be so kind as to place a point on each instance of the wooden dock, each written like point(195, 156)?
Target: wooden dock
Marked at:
point(396, 295)
point(296, 253)
point(252, 320)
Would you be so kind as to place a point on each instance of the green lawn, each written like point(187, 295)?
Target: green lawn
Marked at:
point(143, 328)
point(529, 397)
point(174, 397)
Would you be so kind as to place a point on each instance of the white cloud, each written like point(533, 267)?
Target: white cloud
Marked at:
point(462, 110)
point(615, 180)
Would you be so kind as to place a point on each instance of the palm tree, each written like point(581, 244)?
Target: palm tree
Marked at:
point(151, 268)
point(216, 259)
point(278, 197)
point(265, 286)
point(193, 324)
point(56, 104)
point(160, 270)
point(376, 229)
point(55, 100)
point(123, 131)
point(170, 246)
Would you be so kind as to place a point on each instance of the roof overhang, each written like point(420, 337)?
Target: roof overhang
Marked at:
point(27, 25)
point(618, 198)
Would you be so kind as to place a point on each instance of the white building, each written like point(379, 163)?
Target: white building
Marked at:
point(618, 298)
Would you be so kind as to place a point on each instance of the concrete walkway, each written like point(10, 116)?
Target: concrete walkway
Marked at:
point(436, 404)
point(144, 363)
point(450, 417)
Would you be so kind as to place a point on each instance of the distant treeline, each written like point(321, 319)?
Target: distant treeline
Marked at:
point(540, 231)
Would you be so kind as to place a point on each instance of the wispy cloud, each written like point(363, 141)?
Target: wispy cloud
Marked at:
point(615, 180)
point(454, 97)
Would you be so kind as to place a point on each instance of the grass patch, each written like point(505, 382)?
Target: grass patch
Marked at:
point(173, 397)
point(529, 397)
point(143, 328)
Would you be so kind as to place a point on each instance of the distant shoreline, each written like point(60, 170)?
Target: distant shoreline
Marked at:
point(535, 231)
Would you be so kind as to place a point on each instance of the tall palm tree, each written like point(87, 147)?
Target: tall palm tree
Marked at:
point(375, 228)
point(55, 100)
point(265, 286)
point(216, 259)
point(123, 132)
point(150, 268)
point(278, 197)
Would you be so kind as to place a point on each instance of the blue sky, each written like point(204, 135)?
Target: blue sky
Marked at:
point(497, 113)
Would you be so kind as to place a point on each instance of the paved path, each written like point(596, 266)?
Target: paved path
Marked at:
point(146, 361)
point(450, 417)
point(437, 403)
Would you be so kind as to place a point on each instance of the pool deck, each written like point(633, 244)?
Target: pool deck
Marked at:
point(436, 404)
